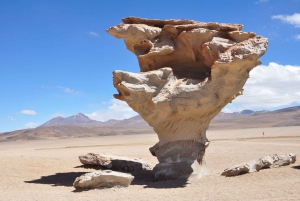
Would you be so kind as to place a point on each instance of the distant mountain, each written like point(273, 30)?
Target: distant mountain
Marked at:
point(80, 125)
point(244, 119)
point(77, 119)
point(246, 112)
point(84, 121)
point(68, 131)
point(250, 119)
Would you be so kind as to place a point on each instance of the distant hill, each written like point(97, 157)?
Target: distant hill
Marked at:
point(77, 119)
point(84, 121)
point(278, 118)
point(80, 125)
point(68, 131)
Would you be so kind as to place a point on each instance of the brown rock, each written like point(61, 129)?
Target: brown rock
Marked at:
point(103, 178)
point(190, 71)
point(114, 162)
point(271, 161)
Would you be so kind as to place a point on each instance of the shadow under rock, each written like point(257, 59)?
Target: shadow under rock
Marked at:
point(58, 179)
point(95, 167)
point(296, 167)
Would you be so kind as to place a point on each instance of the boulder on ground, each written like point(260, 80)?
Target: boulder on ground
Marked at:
point(271, 161)
point(114, 162)
point(103, 178)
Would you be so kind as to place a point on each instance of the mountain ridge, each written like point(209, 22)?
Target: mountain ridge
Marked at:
point(136, 125)
point(80, 119)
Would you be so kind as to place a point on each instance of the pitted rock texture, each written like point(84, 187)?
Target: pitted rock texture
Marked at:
point(189, 71)
point(103, 178)
point(118, 163)
point(271, 161)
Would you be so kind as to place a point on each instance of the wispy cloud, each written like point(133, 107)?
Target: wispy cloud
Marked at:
point(31, 112)
point(117, 110)
point(290, 19)
point(11, 118)
point(68, 90)
point(93, 34)
point(31, 125)
point(269, 87)
point(297, 37)
point(261, 1)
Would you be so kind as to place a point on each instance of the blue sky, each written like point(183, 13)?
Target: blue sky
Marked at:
point(57, 60)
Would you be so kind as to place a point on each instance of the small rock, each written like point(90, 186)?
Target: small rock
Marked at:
point(103, 178)
point(271, 161)
point(114, 162)
point(96, 159)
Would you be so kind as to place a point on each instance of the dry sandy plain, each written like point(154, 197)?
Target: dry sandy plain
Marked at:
point(45, 170)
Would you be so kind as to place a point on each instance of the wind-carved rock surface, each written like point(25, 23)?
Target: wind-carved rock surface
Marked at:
point(189, 71)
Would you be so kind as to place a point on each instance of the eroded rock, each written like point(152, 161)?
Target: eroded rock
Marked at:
point(103, 178)
point(271, 161)
point(189, 71)
point(119, 163)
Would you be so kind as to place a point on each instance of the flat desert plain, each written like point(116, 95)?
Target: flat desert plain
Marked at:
point(45, 170)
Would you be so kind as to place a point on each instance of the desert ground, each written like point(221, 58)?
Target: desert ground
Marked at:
point(46, 169)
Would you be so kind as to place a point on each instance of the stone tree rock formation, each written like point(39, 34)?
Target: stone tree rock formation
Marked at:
point(189, 71)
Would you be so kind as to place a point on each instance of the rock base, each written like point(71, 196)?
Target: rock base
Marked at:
point(176, 159)
point(172, 171)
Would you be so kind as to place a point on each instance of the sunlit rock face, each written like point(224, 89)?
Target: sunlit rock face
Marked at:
point(189, 71)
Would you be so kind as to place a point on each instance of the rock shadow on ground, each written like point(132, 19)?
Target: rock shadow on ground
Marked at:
point(297, 167)
point(58, 179)
point(94, 167)
point(143, 178)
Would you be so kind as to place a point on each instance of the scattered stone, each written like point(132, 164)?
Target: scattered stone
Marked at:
point(103, 178)
point(271, 161)
point(189, 71)
point(114, 162)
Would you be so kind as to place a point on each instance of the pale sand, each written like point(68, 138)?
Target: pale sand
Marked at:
point(45, 170)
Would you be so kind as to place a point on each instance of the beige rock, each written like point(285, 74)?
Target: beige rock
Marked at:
point(271, 161)
point(103, 178)
point(189, 72)
point(114, 162)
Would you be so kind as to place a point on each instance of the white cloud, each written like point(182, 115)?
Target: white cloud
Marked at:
point(31, 112)
point(68, 90)
point(227, 110)
point(269, 87)
point(297, 37)
point(117, 110)
point(93, 34)
point(291, 19)
point(11, 118)
point(261, 1)
point(31, 125)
